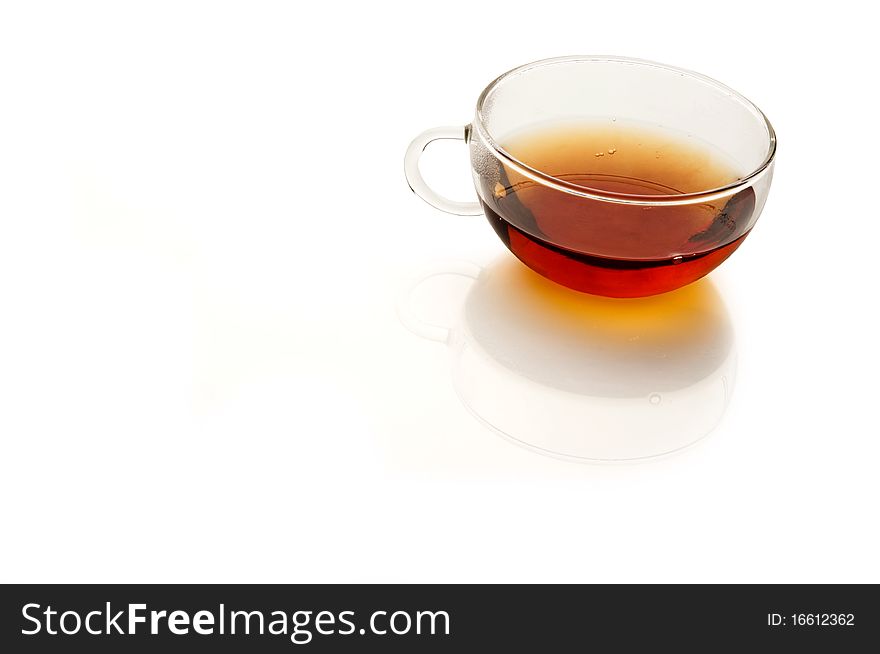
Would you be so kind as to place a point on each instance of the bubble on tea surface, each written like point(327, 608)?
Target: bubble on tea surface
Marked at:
point(654, 398)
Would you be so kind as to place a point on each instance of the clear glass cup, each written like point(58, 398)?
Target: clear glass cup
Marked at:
point(625, 244)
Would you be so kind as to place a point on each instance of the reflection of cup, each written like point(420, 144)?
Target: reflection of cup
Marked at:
point(585, 377)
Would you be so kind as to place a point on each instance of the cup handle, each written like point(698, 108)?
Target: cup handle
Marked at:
point(417, 182)
point(408, 317)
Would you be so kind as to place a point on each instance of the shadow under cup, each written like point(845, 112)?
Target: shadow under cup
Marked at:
point(575, 375)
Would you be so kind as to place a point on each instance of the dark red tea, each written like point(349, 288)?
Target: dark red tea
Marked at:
point(611, 248)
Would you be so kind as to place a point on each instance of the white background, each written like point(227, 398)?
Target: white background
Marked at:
point(203, 229)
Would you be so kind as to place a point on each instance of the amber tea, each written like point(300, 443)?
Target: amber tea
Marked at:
point(616, 248)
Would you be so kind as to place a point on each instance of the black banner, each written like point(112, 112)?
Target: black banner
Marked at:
point(429, 618)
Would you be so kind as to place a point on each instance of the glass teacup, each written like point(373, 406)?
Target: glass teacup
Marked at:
point(612, 176)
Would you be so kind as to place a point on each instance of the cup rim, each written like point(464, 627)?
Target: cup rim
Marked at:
point(612, 196)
